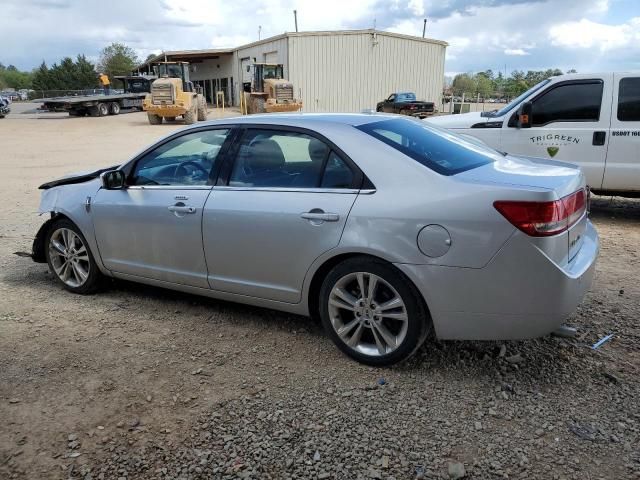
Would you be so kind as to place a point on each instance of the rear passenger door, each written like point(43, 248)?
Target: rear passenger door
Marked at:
point(570, 122)
point(283, 202)
point(623, 157)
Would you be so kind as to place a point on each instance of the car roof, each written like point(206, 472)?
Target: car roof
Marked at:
point(309, 120)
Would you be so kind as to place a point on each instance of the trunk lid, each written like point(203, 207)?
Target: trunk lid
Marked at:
point(559, 177)
point(537, 180)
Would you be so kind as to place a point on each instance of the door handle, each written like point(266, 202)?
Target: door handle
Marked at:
point(320, 216)
point(599, 138)
point(181, 209)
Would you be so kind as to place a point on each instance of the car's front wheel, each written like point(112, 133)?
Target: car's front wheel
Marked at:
point(372, 312)
point(70, 258)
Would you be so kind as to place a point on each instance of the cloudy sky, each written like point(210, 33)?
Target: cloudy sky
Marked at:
point(588, 35)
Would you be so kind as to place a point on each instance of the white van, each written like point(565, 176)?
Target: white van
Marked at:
point(592, 120)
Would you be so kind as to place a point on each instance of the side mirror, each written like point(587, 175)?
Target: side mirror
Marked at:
point(113, 180)
point(523, 116)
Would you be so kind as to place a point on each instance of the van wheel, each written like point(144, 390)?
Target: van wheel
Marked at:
point(70, 259)
point(372, 312)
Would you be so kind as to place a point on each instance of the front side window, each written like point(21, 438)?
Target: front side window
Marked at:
point(629, 100)
point(572, 102)
point(281, 159)
point(186, 160)
point(435, 148)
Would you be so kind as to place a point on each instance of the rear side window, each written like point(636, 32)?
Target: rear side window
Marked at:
point(572, 102)
point(283, 159)
point(435, 148)
point(629, 100)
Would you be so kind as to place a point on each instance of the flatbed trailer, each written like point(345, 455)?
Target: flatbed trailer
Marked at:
point(93, 105)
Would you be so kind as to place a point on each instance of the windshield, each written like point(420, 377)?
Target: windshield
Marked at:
point(272, 71)
point(435, 148)
point(170, 70)
point(504, 110)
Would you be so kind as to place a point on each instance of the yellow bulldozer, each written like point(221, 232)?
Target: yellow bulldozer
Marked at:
point(173, 95)
point(268, 91)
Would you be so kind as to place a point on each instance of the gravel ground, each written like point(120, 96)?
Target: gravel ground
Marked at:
point(139, 382)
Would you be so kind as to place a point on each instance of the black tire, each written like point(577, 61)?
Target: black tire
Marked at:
point(154, 119)
point(76, 113)
point(190, 116)
point(94, 112)
point(259, 105)
point(93, 279)
point(378, 109)
point(418, 323)
point(170, 119)
point(103, 109)
point(114, 108)
point(202, 109)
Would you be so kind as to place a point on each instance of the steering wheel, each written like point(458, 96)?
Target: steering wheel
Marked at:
point(180, 168)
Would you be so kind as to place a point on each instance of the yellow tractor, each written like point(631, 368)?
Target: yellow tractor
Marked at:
point(173, 95)
point(269, 91)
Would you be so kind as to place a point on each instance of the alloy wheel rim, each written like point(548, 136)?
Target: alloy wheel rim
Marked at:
point(368, 314)
point(69, 257)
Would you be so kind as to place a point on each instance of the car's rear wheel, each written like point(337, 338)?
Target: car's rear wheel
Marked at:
point(70, 258)
point(372, 312)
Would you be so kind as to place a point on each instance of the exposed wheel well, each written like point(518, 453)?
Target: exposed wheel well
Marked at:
point(38, 249)
point(321, 273)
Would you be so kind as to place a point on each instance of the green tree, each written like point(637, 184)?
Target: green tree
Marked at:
point(86, 74)
point(41, 78)
point(484, 84)
point(11, 77)
point(463, 83)
point(117, 59)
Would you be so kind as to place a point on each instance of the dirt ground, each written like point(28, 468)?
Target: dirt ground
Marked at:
point(85, 377)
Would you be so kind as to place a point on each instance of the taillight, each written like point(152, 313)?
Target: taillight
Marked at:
point(543, 219)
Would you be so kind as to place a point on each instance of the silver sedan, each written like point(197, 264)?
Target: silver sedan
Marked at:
point(385, 228)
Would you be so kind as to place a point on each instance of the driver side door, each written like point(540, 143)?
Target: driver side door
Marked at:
point(152, 228)
point(388, 103)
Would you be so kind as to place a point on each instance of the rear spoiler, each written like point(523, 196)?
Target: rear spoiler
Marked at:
point(85, 177)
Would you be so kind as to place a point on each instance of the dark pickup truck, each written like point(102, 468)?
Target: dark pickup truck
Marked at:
point(405, 103)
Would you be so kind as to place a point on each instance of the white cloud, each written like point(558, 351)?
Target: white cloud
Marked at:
point(515, 51)
point(502, 35)
point(588, 34)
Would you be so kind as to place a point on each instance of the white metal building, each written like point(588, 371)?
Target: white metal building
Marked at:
point(338, 71)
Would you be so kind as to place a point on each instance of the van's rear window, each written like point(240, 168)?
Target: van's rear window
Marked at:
point(435, 148)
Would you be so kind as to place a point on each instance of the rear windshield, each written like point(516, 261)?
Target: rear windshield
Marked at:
point(435, 148)
point(406, 97)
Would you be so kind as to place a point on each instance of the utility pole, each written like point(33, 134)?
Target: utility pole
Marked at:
point(424, 28)
point(295, 18)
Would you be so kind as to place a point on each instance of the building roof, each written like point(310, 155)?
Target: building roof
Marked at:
point(186, 55)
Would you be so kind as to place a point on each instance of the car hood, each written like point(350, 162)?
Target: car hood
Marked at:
point(563, 178)
point(463, 120)
point(79, 177)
